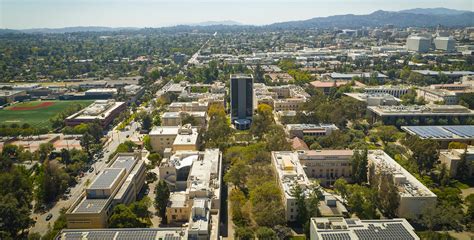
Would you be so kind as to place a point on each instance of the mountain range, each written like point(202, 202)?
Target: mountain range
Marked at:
point(417, 17)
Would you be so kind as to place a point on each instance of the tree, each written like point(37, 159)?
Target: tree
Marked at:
point(162, 192)
point(14, 216)
point(237, 203)
point(340, 185)
point(425, 152)
point(140, 208)
point(52, 181)
point(147, 122)
point(262, 121)
point(237, 174)
point(155, 158)
point(389, 199)
point(44, 150)
point(462, 170)
point(86, 142)
point(187, 118)
point(265, 233)
point(217, 135)
point(359, 165)
point(267, 209)
point(243, 233)
point(65, 156)
point(123, 217)
point(302, 212)
point(276, 139)
point(387, 133)
point(258, 74)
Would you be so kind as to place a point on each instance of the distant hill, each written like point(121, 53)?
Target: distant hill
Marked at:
point(434, 11)
point(214, 23)
point(75, 29)
point(381, 18)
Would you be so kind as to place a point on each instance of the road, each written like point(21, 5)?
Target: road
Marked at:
point(115, 138)
point(193, 59)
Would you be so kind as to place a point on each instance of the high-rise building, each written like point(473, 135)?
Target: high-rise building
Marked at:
point(241, 100)
point(418, 43)
point(447, 44)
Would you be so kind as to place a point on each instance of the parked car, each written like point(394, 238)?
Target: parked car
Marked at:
point(49, 216)
point(91, 169)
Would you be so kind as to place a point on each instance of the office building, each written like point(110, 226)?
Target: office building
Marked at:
point(447, 44)
point(119, 183)
point(174, 137)
point(241, 100)
point(312, 130)
point(289, 171)
point(418, 43)
point(104, 111)
point(433, 95)
point(8, 96)
point(327, 165)
point(356, 229)
point(413, 195)
point(420, 114)
point(452, 157)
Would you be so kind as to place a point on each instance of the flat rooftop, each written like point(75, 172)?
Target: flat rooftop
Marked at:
point(338, 228)
point(164, 130)
point(289, 170)
point(106, 178)
point(241, 76)
point(458, 132)
point(304, 126)
point(88, 205)
point(408, 185)
point(100, 109)
point(123, 234)
point(124, 161)
point(420, 110)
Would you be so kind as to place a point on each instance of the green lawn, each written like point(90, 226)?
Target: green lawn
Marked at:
point(36, 117)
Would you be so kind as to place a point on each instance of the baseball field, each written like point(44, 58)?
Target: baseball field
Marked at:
point(35, 113)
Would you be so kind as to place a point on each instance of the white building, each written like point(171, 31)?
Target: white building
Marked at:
point(414, 196)
point(356, 229)
point(418, 43)
point(447, 44)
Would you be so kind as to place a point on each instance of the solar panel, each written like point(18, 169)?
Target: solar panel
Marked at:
point(101, 235)
point(462, 131)
point(336, 236)
point(73, 236)
point(131, 235)
point(430, 132)
point(393, 231)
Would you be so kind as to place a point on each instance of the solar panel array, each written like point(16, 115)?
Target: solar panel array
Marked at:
point(463, 131)
point(126, 162)
point(336, 236)
point(90, 206)
point(120, 235)
point(394, 231)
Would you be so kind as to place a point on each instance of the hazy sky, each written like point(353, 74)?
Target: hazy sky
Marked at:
point(21, 14)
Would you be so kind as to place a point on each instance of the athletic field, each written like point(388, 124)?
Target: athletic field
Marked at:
point(35, 113)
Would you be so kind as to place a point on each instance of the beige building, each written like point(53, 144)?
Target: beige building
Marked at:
point(119, 183)
point(327, 165)
point(194, 178)
point(452, 157)
point(188, 106)
point(289, 171)
point(414, 196)
point(174, 137)
point(176, 118)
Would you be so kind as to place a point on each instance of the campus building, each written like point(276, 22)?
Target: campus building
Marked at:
point(176, 118)
point(195, 178)
point(327, 165)
point(289, 171)
point(375, 99)
point(174, 137)
point(104, 111)
point(396, 91)
point(188, 106)
point(443, 134)
point(413, 195)
point(119, 183)
point(452, 157)
point(420, 114)
point(312, 130)
point(241, 100)
point(124, 233)
point(353, 228)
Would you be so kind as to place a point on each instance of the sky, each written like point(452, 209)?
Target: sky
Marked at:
point(24, 14)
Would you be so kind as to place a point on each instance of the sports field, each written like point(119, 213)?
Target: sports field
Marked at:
point(35, 113)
